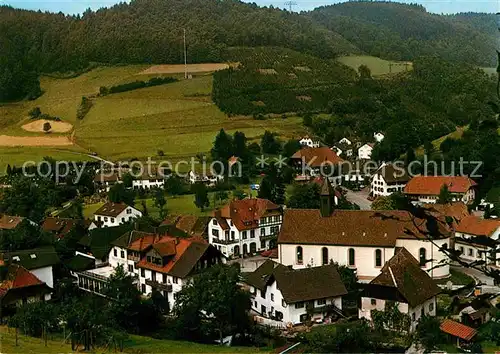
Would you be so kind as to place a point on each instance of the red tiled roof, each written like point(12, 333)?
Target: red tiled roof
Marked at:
point(315, 157)
point(457, 329)
point(61, 226)
point(8, 222)
point(476, 226)
point(431, 185)
point(246, 213)
point(18, 277)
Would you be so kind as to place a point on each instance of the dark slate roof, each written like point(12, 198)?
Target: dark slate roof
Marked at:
point(34, 258)
point(99, 240)
point(111, 209)
point(297, 285)
point(80, 263)
point(403, 272)
point(356, 227)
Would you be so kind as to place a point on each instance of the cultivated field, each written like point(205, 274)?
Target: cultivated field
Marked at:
point(179, 118)
point(377, 66)
point(179, 68)
point(56, 127)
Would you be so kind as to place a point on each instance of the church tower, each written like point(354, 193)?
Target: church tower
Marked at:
point(327, 196)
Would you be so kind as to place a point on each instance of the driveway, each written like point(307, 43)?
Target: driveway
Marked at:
point(476, 274)
point(360, 198)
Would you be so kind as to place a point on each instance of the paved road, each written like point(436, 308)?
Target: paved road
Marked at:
point(479, 276)
point(359, 198)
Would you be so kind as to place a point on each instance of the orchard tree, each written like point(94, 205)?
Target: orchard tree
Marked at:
point(222, 148)
point(305, 196)
point(270, 144)
point(201, 196)
point(445, 196)
point(160, 201)
point(119, 194)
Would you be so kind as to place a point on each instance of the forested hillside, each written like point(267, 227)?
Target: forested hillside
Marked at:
point(403, 32)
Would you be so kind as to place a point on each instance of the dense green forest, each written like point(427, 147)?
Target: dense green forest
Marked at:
point(403, 32)
point(150, 31)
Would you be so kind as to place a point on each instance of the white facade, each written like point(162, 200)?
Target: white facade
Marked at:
point(233, 242)
point(365, 257)
point(45, 274)
point(125, 216)
point(209, 180)
point(271, 304)
point(365, 152)
point(467, 197)
point(307, 141)
point(337, 150)
point(380, 187)
point(345, 141)
point(378, 137)
point(428, 308)
point(173, 284)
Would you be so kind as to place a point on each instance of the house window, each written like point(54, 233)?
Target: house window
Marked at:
point(263, 231)
point(129, 211)
point(123, 219)
point(143, 273)
point(214, 222)
point(299, 255)
point(130, 268)
point(478, 254)
point(122, 254)
point(115, 253)
point(232, 235)
point(105, 219)
point(262, 309)
point(278, 315)
point(148, 258)
point(373, 302)
point(252, 233)
point(215, 233)
point(175, 280)
point(378, 258)
point(262, 244)
point(461, 250)
point(431, 307)
point(471, 252)
point(143, 288)
point(422, 254)
point(272, 297)
point(112, 220)
point(164, 276)
point(299, 305)
point(244, 235)
point(324, 255)
point(351, 257)
point(321, 302)
point(153, 275)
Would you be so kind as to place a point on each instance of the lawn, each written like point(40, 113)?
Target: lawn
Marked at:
point(178, 118)
point(377, 66)
point(90, 209)
point(457, 278)
point(135, 344)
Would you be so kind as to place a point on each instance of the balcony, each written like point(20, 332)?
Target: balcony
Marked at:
point(224, 242)
point(268, 237)
point(159, 286)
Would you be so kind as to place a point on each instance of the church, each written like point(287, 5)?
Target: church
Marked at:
point(361, 239)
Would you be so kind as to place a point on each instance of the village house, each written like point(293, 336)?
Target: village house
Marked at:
point(59, 227)
point(38, 261)
point(103, 181)
point(307, 141)
point(19, 286)
point(401, 282)
point(388, 179)
point(426, 189)
point(477, 238)
point(114, 214)
point(459, 334)
point(365, 151)
point(378, 136)
point(311, 161)
point(361, 239)
point(9, 222)
point(209, 179)
point(345, 146)
point(245, 227)
point(291, 297)
point(148, 181)
point(191, 225)
point(159, 262)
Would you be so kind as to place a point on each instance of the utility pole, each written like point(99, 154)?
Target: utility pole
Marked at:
point(185, 57)
point(290, 5)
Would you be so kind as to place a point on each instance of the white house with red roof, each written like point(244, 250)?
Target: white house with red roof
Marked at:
point(426, 189)
point(19, 286)
point(307, 141)
point(114, 214)
point(476, 239)
point(245, 227)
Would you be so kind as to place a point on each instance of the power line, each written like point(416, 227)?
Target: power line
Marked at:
point(290, 5)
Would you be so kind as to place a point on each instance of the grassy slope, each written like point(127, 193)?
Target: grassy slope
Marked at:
point(135, 344)
point(178, 118)
point(377, 66)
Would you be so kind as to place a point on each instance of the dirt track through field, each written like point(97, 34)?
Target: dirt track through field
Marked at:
point(56, 127)
point(7, 140)
point(179, 68)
